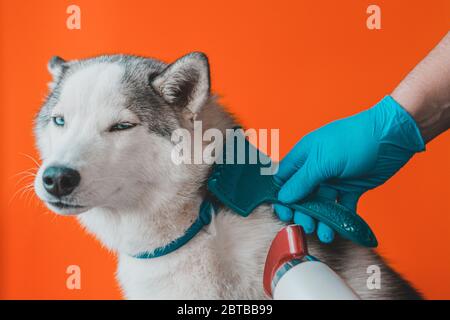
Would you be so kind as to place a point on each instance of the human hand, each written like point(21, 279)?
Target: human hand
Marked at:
point(345, 158)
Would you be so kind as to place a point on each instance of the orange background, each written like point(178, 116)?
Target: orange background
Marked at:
point(293, 65)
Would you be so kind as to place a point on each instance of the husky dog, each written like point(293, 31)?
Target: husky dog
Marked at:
point(104, 136)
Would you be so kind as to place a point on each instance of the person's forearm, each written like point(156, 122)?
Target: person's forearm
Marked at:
point(425, 92)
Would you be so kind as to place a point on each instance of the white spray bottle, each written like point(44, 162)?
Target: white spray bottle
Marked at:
point(291, 273)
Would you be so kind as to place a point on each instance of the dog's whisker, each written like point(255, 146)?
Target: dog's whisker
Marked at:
point(31, 158)
point(25, 172)
point(29, 194)
point(20, 191)
point(22, 179)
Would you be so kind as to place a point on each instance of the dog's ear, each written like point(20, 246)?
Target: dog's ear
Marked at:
point(185, 82)
point(55, 66)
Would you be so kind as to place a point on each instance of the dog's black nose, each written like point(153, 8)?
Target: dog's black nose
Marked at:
point(60, 181)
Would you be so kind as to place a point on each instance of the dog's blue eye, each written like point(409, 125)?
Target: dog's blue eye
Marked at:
point(122, 126)
point(59, 121)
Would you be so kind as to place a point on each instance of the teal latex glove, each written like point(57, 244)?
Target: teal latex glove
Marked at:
point(345, 158)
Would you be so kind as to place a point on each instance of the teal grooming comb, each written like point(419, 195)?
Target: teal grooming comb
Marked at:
point(239, 184)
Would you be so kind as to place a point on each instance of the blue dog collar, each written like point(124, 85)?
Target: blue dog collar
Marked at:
point(206, 211)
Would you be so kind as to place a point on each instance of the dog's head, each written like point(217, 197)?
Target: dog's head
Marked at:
point(104, 132)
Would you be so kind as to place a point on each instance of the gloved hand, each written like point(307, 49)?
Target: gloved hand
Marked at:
point(345, 158)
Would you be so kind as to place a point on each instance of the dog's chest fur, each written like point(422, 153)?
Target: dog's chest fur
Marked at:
point(226, 259)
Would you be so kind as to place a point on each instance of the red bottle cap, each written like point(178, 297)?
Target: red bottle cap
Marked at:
point(289, 244)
